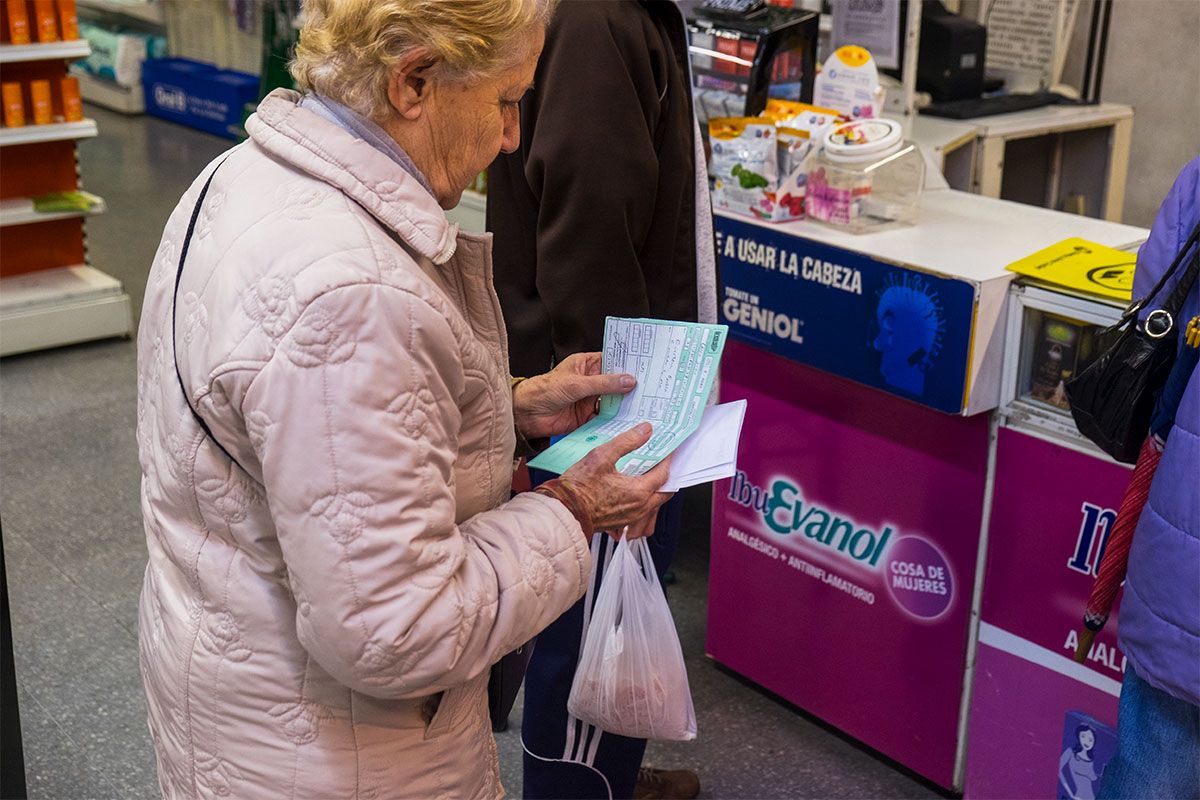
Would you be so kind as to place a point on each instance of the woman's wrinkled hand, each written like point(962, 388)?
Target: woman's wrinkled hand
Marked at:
point(613, 500)
point(564, 398)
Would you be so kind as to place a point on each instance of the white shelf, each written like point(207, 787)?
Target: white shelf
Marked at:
point(55, 307)
point(143, 12)
point(110, 95)
point(1051, 119)
point(19, 211)
point(28, 134)
point(39, 51)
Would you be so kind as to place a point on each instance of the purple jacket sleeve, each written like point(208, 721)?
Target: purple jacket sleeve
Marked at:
point(1176, 218)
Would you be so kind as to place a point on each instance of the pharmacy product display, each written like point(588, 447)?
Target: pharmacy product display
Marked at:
point(49, 294)
point(845, 548)
point(42, 21)
point(1039, 722)
point(38, 95)
point(118, 53)
point(849, 82)
point(753, 169)
point(864, 177)
point(198, 94)
point(798, 159)
point(741, 58)
point(41, 102)
point(758, 163)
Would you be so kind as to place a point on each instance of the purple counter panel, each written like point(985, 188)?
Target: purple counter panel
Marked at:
point(1032, 704)
point(843, 555)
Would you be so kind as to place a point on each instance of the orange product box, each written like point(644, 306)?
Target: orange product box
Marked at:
point(43, 106)
point(14, 105)
point(46, 20)
point(72, 103)
point(68, 19)
point(18, 21)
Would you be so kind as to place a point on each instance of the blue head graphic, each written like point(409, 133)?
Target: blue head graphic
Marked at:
point(910, 331)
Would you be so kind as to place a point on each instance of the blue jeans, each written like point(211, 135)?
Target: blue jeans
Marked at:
point(1158, 745)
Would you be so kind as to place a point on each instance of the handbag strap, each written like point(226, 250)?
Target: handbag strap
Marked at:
point(183, 251)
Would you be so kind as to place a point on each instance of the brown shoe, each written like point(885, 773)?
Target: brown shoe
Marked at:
point(666, 784)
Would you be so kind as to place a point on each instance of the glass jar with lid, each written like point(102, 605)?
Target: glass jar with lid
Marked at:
point(865, 177)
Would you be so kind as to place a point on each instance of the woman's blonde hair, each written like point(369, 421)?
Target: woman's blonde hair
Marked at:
point(348, 47)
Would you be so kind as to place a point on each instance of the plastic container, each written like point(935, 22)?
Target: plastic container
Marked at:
point(865, 177)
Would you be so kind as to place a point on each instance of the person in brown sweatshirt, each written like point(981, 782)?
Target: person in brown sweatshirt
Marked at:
point(602, 211)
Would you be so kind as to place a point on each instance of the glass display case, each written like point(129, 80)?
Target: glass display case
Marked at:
point(744, 53)
point(1052, 335)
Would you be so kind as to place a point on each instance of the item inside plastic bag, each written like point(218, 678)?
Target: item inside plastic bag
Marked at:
point(631, 679)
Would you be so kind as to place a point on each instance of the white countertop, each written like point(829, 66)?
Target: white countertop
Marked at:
point(936, 133)
point(963, 235)
point(1050, 119)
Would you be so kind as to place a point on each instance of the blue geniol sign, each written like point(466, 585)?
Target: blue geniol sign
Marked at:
point(892, 328)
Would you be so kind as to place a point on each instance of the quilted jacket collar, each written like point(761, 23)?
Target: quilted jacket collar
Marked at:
point(324, 150)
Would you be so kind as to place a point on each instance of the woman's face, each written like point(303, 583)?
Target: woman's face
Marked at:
point(469, 124)
point(1087, 739)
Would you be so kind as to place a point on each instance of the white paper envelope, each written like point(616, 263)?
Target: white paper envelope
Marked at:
point(710, 453)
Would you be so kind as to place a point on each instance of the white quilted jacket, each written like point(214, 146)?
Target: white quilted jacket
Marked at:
point(321, 624)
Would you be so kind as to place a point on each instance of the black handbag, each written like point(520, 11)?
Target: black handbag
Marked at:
point(504, 683)
point(1112, 399)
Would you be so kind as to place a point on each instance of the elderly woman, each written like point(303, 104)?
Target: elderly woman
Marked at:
point(327, 428)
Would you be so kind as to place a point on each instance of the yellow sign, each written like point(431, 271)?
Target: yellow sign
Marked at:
point(1082, 265)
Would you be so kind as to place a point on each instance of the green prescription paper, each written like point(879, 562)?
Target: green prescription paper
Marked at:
point(675, 364)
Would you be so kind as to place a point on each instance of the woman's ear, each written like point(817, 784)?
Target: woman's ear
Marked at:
point(408, 83)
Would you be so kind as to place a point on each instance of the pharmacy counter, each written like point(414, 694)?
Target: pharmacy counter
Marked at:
point(845, 550)
point(914, 311)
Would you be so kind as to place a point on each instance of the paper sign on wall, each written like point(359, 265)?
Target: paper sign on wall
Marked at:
point(1021, 40)
point(874, 25)
point(1084, 266)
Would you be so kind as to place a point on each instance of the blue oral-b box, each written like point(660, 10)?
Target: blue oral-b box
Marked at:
point(198, 94)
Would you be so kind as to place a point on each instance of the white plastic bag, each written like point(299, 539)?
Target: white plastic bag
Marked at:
point(631, 679)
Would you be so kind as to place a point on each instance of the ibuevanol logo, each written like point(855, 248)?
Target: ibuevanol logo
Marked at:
point(785, 512)
point(917, 574)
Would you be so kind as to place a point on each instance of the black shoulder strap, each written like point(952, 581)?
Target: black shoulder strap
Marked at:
point(1183, 288)
point(183, 251)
